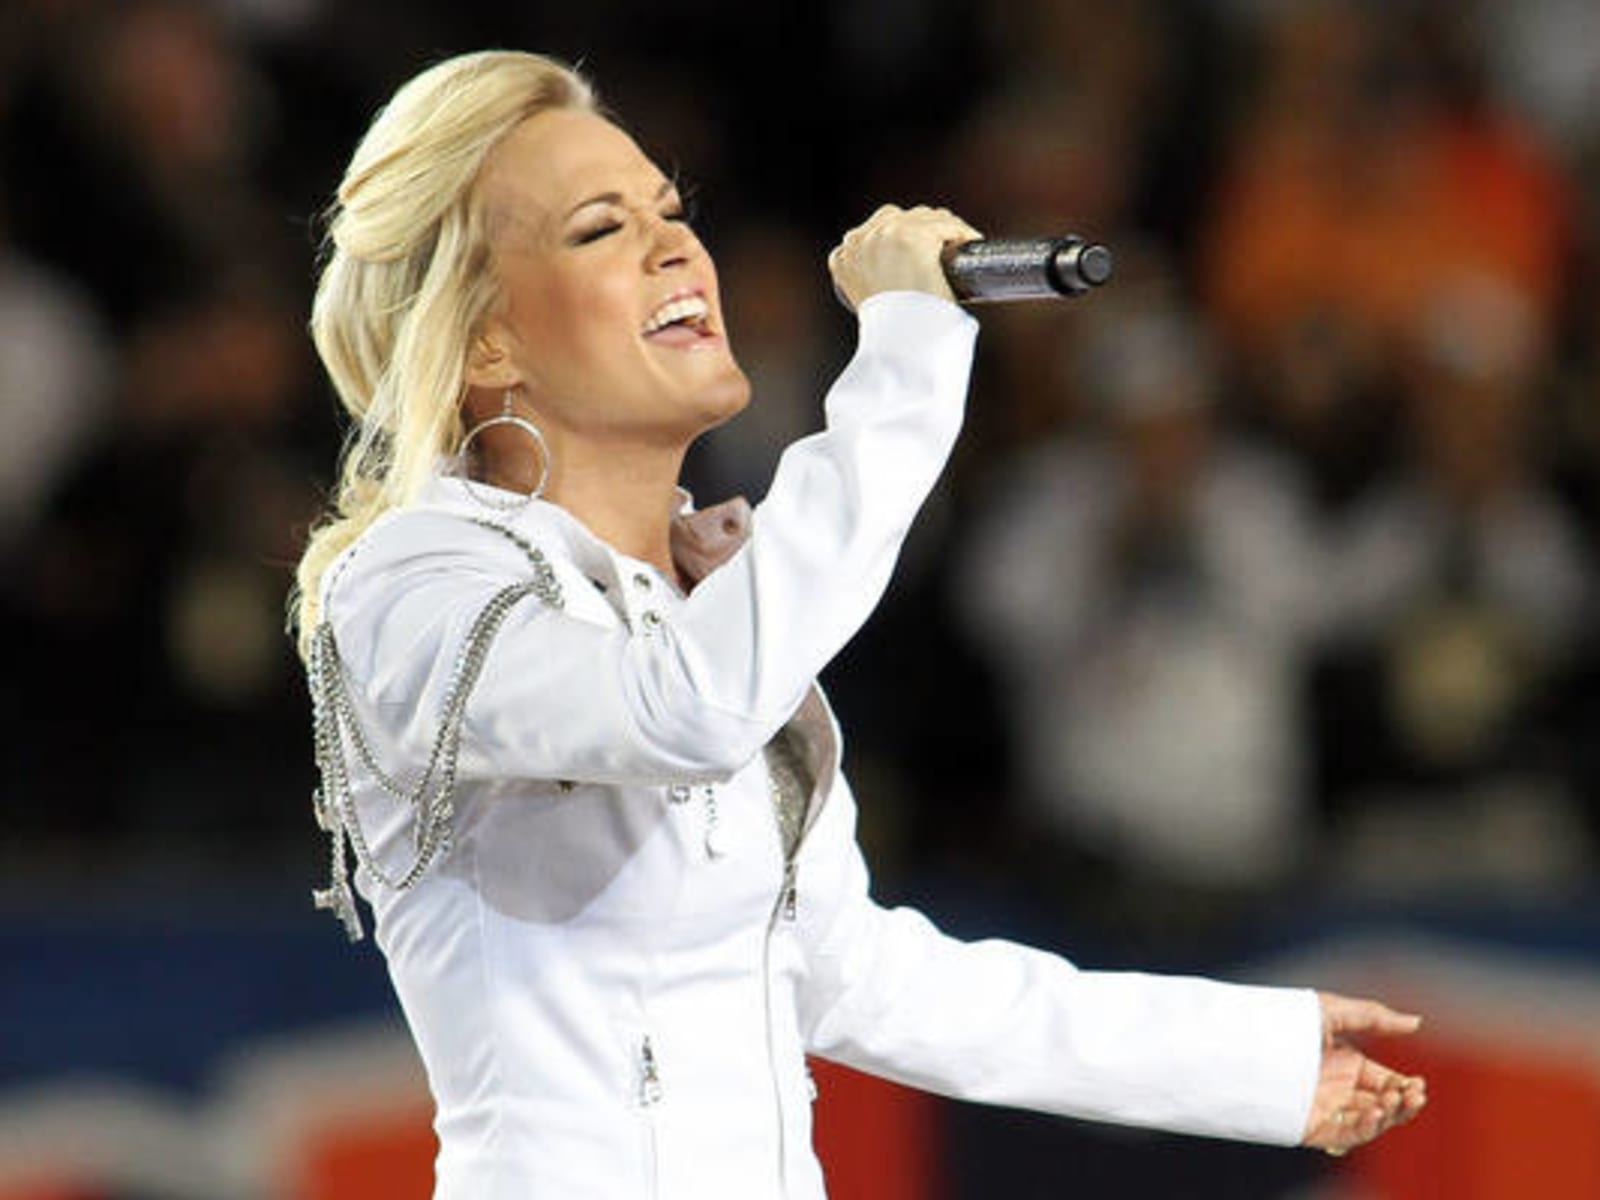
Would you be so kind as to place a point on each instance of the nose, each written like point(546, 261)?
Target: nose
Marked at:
point(673, 244)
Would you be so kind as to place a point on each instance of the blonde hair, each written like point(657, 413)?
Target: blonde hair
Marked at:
point(407, 283)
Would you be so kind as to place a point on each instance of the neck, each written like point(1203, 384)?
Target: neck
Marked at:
point(624, 492)
point(625, 498)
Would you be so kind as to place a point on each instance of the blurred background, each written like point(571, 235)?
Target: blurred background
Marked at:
point(1252, 630)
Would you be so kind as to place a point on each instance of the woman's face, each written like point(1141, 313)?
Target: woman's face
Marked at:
point(610, 318)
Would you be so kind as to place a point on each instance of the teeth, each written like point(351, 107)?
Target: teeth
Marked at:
point(688, 308)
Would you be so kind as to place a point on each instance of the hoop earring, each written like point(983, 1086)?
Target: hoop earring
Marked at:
point(505, 417)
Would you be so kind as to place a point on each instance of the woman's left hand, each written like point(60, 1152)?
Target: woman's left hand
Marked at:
point(1357, 1097)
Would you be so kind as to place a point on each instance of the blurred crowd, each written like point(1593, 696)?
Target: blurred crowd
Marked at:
point(1270, 568)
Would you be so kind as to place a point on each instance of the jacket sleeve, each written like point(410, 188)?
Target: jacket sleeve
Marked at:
point(697, 692)
point(886, 992)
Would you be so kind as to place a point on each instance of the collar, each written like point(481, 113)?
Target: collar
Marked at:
point(702, 539)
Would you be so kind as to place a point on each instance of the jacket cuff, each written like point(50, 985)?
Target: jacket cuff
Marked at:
point(1288, 1057)
point(909, 314)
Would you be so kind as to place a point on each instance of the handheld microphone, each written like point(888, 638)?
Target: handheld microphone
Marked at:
point(1041, 268)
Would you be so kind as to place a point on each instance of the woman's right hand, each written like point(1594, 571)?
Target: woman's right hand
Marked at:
point(897, 249)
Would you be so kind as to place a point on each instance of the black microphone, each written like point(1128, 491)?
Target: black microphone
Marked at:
point(1041, 268)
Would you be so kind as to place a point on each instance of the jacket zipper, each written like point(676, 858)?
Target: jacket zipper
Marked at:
point(791, 890)
point(649, 1075)
point(784, 908)
point(772, 1048)
point(649, 1095)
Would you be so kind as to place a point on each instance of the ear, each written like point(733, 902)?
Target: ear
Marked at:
point(489, 360)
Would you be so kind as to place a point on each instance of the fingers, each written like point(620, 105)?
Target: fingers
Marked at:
point(1398, 1095)
point(1373, 1076)
point(886, 214)
point(1367, 1116)
point(1344, 1014)
point(1358, 1099)
point(897, 249)
point(1358, 1123)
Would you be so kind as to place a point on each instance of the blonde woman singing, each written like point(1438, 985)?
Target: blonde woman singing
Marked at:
point(567, 724)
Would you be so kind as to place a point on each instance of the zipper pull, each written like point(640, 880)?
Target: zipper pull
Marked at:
point(716, 839)
point(649, 1076)
point(791, 890)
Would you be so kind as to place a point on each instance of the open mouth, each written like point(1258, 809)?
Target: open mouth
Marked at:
point(681, 320)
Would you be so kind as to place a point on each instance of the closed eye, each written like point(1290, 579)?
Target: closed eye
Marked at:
point(679, 210)
point(595, 234)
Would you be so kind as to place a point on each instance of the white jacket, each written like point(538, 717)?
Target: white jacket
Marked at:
point(613, 975)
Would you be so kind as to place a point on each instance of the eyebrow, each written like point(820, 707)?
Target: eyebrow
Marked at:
point(667, 186)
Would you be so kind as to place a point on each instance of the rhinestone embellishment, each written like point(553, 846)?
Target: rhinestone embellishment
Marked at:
point(334, 720)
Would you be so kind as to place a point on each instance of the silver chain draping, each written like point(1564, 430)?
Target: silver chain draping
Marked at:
point(334, 717)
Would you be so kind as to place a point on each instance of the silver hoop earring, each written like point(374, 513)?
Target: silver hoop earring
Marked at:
point(505, 417)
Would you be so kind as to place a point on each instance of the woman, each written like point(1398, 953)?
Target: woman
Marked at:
point(569, 725)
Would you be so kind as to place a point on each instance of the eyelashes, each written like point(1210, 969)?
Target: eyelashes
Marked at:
point(682, 210)
point(594, 235)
